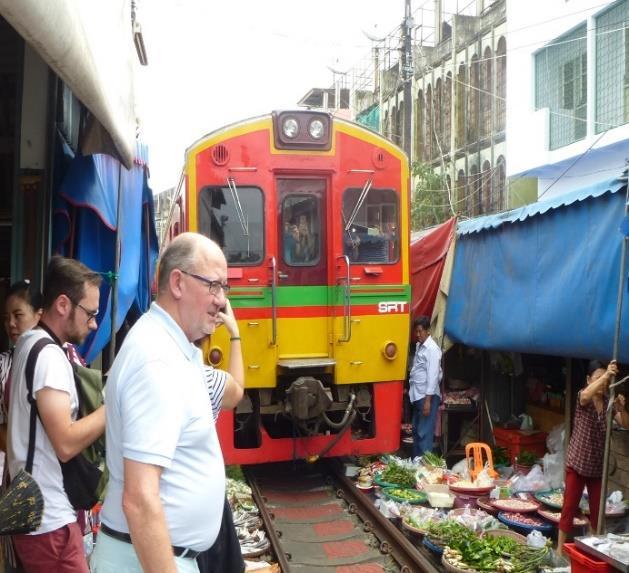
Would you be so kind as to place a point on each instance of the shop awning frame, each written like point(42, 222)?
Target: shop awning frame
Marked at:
point(90, 47)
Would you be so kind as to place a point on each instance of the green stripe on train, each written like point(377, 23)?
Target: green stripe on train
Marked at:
point(256, 297)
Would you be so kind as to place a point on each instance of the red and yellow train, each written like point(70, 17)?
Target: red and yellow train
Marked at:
point(312, 213)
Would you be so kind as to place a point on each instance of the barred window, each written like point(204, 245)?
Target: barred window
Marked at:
point(561, 86)
point(419, 125)
point(612, 67)
point(501, 84)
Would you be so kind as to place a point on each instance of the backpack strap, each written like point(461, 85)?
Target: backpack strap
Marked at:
point(29, 373)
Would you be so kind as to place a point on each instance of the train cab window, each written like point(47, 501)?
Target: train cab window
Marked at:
point(371, 227)
point(233, 217)
point(301, 225)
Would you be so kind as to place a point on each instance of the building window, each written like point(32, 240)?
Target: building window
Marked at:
point(461, 93)
point(561, 86)
point(419, 125)
point(438, 111)
point(430, 131)
point(486, 191)
point(486, 94)
point(612, 67)
point(473, 192)
point(460, 195)
point(501, 85)
point(474, 100)
point(500, 179)
point(447, 113)
point(385, 125)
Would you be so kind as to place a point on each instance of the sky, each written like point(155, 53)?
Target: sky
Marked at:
point(212, 63)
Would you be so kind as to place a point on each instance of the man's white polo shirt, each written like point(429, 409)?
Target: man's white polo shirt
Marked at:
point(159, 412)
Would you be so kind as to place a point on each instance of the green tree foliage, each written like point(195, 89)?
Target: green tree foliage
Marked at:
point(429, 205)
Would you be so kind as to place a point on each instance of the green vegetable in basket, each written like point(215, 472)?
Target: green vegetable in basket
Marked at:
point(434, 460)
point(396, 474)
point(405, 494)
point(466, 550)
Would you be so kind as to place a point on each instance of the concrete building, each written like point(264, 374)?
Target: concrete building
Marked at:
point(568, 126)
point(458, 107)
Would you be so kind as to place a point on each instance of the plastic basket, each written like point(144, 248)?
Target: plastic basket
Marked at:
point(582, 563)
point(523, 527)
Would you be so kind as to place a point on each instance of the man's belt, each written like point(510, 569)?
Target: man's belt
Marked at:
point(120, 536)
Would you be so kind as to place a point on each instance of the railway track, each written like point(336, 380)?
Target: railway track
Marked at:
point(318, 522)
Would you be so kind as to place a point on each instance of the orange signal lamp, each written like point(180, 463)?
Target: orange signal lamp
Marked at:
point(215, 356)
point(390, 350)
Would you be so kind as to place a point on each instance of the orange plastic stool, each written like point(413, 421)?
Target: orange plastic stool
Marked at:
point(474, 453)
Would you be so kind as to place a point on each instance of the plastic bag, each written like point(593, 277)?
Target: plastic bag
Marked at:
point(526, 422)
point(388, 508)
point(535, 539)
point(554, 469)
point(533, 481)
point(555, 439)
point(615, 503)
point(461, 468)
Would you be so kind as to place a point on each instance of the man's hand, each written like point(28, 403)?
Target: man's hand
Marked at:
point(426, 407)
point(226, 317)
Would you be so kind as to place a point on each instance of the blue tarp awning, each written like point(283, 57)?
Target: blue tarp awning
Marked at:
point(84, 227)
point(543, 278)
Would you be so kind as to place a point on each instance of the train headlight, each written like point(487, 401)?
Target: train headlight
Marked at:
point(215, 356)
point(290, 127)
point(316, 129)
point(389, 350)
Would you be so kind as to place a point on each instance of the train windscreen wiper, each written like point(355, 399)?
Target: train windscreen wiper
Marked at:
point(359, 203)
point(231, 183)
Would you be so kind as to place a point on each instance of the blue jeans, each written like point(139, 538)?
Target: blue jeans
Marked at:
point(424, 426)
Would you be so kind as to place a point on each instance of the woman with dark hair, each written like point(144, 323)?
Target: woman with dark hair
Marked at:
point(22, 309)
point(584, 460)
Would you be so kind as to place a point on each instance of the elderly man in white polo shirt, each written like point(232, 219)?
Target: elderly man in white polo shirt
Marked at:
point(167, 480)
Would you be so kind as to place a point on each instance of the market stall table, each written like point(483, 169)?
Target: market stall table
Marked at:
point(599, 546)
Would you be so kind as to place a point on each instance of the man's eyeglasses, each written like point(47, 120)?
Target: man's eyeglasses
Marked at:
point(214, 286)
point(91, 315)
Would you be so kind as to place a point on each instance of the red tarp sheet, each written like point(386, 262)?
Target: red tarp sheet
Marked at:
point(428, 256)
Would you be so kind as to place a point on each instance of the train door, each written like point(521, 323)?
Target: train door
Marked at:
point(302, 267)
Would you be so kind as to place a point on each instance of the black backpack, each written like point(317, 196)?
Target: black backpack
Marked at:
point(84, 476)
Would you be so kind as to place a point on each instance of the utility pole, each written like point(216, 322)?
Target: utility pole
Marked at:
point(453, 119)
point(407, 76)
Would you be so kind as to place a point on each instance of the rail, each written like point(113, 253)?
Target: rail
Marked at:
point(391, 542)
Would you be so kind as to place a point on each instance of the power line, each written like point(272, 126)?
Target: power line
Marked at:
point(578, 158)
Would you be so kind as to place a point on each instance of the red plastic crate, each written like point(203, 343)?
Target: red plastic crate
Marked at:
point(515, 441)
point(583, 563)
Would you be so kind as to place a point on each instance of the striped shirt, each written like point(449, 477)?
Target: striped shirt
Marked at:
point(5, 366)
point(215, 381)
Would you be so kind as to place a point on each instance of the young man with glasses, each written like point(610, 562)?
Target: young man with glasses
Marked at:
point(70, 305)
point(166, 491)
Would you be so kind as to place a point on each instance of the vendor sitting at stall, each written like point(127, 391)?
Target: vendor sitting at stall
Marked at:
point(584, 461)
